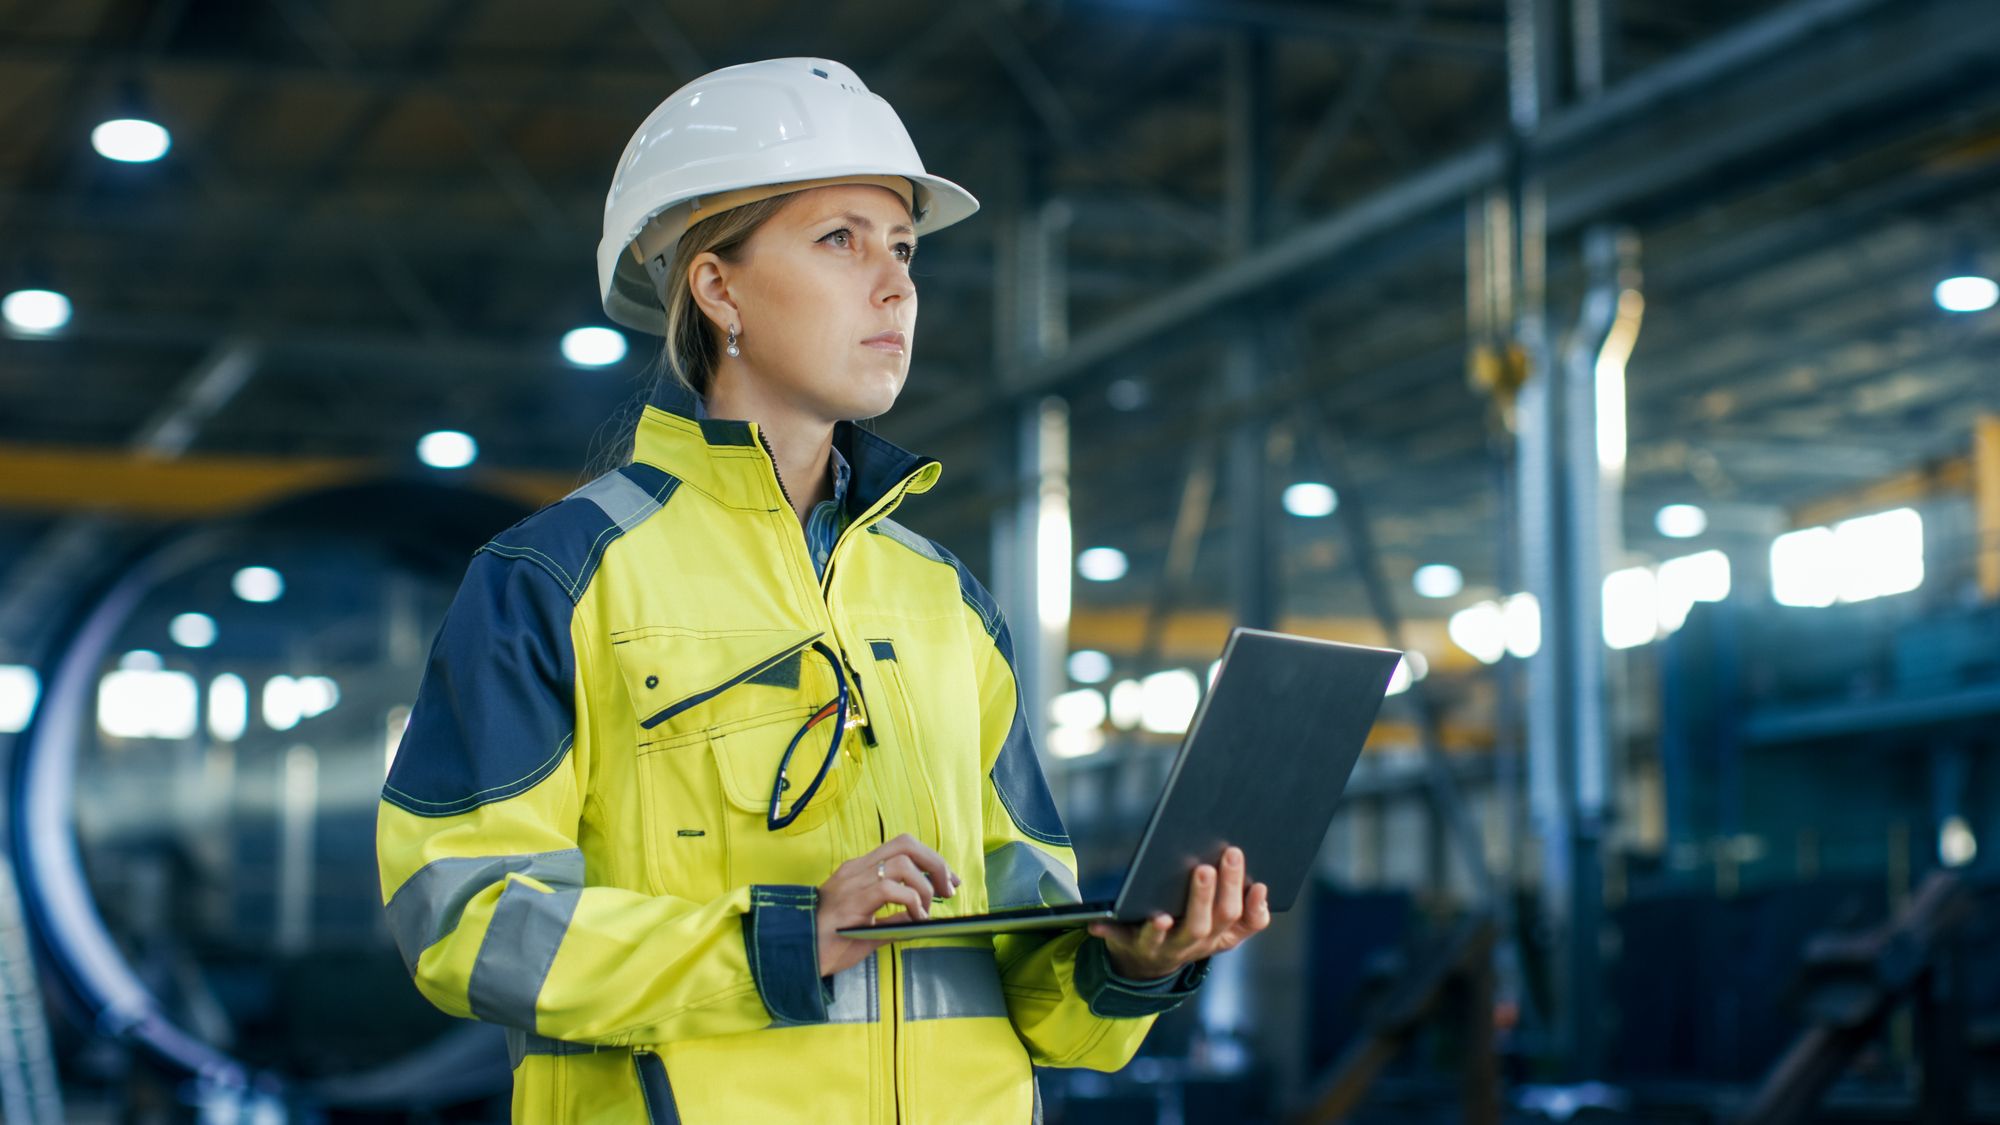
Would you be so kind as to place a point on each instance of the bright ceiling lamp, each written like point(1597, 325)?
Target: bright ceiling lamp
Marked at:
point(131, 140)
point(1103, 564)
point(192, 630)
point(1438, 580)
point(1680, 521)
point(258, 584)
point(1967, 293)
point(593, 347)
point(35, 312)
point(1310, 500)
point(447, 449)
point(1089, 666)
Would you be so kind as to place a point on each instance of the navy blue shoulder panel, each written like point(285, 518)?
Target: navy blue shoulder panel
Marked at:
point(1017, 772)
point(495, 711)
point(568, 538)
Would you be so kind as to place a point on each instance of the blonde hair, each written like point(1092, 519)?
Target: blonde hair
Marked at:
point(690, 350)
point(692, 344)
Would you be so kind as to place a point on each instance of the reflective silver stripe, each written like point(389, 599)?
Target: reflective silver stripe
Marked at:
point(855, 993)
point(620, 498)
point(908, 538)
point(1021, 874)
point(528, 926)
point(428, 904)
point(521, 1044)
point(951, 983)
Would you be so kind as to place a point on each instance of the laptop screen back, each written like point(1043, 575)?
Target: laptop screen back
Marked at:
point(1262, 766)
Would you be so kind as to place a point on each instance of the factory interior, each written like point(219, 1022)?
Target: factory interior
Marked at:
point(1632, 366)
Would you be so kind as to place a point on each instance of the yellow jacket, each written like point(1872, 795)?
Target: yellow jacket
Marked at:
point(573, 839)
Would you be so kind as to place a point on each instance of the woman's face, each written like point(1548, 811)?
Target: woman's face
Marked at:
point(829, 271)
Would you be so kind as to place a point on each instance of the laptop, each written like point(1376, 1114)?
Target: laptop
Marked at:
point(1262, 766)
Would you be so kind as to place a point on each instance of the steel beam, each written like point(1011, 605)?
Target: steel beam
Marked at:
point(1443, 188)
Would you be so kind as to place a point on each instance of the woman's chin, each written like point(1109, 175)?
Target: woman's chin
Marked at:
point(873, 396)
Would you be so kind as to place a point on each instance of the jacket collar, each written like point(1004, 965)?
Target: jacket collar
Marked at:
point(722, 456)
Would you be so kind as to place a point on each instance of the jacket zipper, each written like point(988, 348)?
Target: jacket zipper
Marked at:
point(895, 1012)
point(780, 477)
point(867, 735)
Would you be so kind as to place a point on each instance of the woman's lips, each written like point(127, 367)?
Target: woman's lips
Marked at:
point(887, 341)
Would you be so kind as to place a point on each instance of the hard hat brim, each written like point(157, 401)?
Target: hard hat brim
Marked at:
point(632, 301)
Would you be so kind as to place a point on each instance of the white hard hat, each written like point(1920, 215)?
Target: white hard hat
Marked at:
point(797, 122)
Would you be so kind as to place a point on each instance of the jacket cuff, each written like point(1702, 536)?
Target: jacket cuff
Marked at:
point(782, 937)
point(1115, 997)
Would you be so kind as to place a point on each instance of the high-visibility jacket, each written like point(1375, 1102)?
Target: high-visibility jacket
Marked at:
point(573, 836)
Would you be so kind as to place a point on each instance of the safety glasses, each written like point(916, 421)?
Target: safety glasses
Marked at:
point(836, 709)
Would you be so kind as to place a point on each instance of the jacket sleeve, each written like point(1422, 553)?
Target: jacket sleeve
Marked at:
point(1064, 1000)
point(485, 887)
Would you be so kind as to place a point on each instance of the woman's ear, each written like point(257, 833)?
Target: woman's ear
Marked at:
point(709, 284)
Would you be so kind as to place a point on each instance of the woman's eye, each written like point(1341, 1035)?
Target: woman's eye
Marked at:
point(843, 233)
point(909, 250)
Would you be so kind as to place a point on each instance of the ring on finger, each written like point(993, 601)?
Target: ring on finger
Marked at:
point(882, 870)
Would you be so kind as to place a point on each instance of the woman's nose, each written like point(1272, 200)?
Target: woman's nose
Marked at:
point(895, 283)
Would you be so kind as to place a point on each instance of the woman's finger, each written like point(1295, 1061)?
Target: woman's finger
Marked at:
point(904, 870)
point(937, 872)
point(1200, 918)
point(1229, 891)
point(1257, 908)
point(887, 891)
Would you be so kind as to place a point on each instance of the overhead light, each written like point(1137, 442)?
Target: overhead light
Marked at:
point(228, 707)
point(1631, 607)
point(1680, 521)
point(1084, 707)
point(1128, 704)
point(1168, 701)
point(1702, 577)
point(131, 140)
point(192, 630)
point(20, 687)
point(1968, 293)
point(1089, 666)
point(1438, 580)
point(447, 449)
point(1852, 561)
point(146, 703)
point(258, 584)
point(140, 660)
point(1523, 616)
point(593, 347)
point(35, 312)
point(1102, 564)
point(1310, 500)
point(1481, 630)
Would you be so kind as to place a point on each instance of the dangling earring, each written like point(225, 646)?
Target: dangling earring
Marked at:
point(733, 349)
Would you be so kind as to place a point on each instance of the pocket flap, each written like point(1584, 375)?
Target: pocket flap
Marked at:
point(670, 671)
point(747, 756)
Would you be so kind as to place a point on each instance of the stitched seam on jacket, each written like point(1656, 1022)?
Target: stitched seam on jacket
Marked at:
point(488, 795)
point(573, 584)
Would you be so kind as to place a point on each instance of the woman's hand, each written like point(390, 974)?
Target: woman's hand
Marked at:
point(1218, 918)
point(903, 871)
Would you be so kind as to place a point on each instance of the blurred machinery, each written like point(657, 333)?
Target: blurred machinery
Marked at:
point(194, 828)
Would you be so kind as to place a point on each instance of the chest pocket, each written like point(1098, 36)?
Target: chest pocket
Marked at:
point(715, 713)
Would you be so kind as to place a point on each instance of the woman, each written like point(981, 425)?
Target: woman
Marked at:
point(685, 724)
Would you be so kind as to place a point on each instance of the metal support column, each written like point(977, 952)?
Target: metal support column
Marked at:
point(1032, 551)
point(1558, 511)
